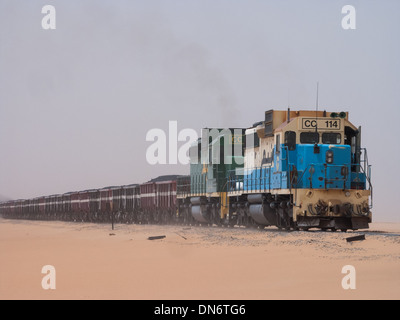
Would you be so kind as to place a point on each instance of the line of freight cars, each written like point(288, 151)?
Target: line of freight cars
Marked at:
point(150, 202)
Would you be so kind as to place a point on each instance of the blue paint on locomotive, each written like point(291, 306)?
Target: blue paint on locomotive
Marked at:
point(330, 168)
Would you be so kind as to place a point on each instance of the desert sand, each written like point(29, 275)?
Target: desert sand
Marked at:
point(94, 262)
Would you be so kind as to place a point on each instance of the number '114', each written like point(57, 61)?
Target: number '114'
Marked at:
point(331, 124)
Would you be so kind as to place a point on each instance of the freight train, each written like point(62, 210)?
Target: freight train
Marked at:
point(293, 170)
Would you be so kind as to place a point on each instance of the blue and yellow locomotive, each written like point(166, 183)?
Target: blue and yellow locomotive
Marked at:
point(295, 169)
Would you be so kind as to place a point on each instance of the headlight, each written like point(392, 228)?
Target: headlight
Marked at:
point(329, 157)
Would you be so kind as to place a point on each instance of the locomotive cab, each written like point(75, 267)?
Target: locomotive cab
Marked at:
point(329, 170)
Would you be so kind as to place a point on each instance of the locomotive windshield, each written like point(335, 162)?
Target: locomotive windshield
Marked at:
point(309, 137)
point(331, 138)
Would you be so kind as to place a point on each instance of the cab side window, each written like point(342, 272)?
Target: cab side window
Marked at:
point(278, 143)
point(290, 140)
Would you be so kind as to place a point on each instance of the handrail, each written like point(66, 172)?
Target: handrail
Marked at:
point(366, 173)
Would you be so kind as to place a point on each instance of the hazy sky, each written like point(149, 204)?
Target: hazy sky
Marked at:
point(76, 102)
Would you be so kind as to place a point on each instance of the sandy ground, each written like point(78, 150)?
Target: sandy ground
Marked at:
point(194, 263)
